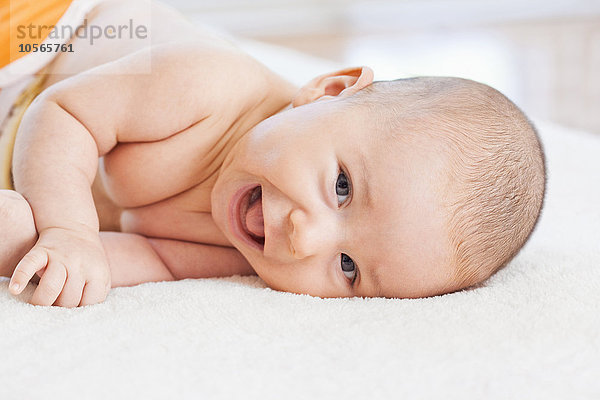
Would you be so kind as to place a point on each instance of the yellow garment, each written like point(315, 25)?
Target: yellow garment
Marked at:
point(8, 130)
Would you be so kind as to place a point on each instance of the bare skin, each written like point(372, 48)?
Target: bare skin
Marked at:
point(18, 234)
point(168, 226)
point(130, 177)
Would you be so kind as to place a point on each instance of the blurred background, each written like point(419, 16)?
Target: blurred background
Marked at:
point(544, 55)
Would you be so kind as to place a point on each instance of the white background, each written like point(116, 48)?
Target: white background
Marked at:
point(545, 55)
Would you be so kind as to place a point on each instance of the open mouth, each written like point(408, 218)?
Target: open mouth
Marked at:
point(249, 218)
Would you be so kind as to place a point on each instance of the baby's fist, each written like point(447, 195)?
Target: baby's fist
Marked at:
point(72, 265)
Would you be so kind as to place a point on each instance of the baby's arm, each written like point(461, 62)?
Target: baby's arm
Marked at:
point(76, 121)
point(82, 118)
point(131, 257)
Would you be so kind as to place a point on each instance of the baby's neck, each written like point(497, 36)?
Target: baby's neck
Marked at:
point(274, 99)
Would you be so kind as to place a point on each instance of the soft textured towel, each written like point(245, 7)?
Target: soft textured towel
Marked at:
point(531, 332)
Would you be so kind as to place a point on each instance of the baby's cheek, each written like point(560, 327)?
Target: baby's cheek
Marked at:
point(274, 276)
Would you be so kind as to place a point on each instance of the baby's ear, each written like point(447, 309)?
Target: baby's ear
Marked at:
point(340, 83)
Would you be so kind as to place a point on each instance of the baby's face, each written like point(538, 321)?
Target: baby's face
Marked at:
point(346, 211)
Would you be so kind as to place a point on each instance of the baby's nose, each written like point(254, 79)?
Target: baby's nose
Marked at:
point(311, 234)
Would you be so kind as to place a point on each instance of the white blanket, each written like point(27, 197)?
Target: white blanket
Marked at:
point(530, 332)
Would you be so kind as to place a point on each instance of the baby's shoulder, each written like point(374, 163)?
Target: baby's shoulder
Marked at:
point(235, 83)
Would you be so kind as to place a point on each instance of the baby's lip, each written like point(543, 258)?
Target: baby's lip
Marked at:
point(237, 209)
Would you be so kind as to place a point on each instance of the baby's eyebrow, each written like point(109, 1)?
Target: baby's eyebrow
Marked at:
point(367, 201)
point(374, 277)
point(367, 198)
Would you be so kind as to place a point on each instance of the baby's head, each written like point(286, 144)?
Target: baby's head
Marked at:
point(406, 188)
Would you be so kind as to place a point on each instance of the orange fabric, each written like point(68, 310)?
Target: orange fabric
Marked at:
point(41, 15)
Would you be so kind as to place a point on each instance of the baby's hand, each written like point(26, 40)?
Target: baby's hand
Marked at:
point(72, 265)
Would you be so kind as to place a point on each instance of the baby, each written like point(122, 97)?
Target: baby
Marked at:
point(212, 165)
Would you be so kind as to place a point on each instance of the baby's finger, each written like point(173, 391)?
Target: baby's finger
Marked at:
point(51, 284)
point(71, 292)
point(35, 260)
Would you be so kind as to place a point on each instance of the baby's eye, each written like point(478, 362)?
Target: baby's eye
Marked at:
point(348, 267)
point(342, 187)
